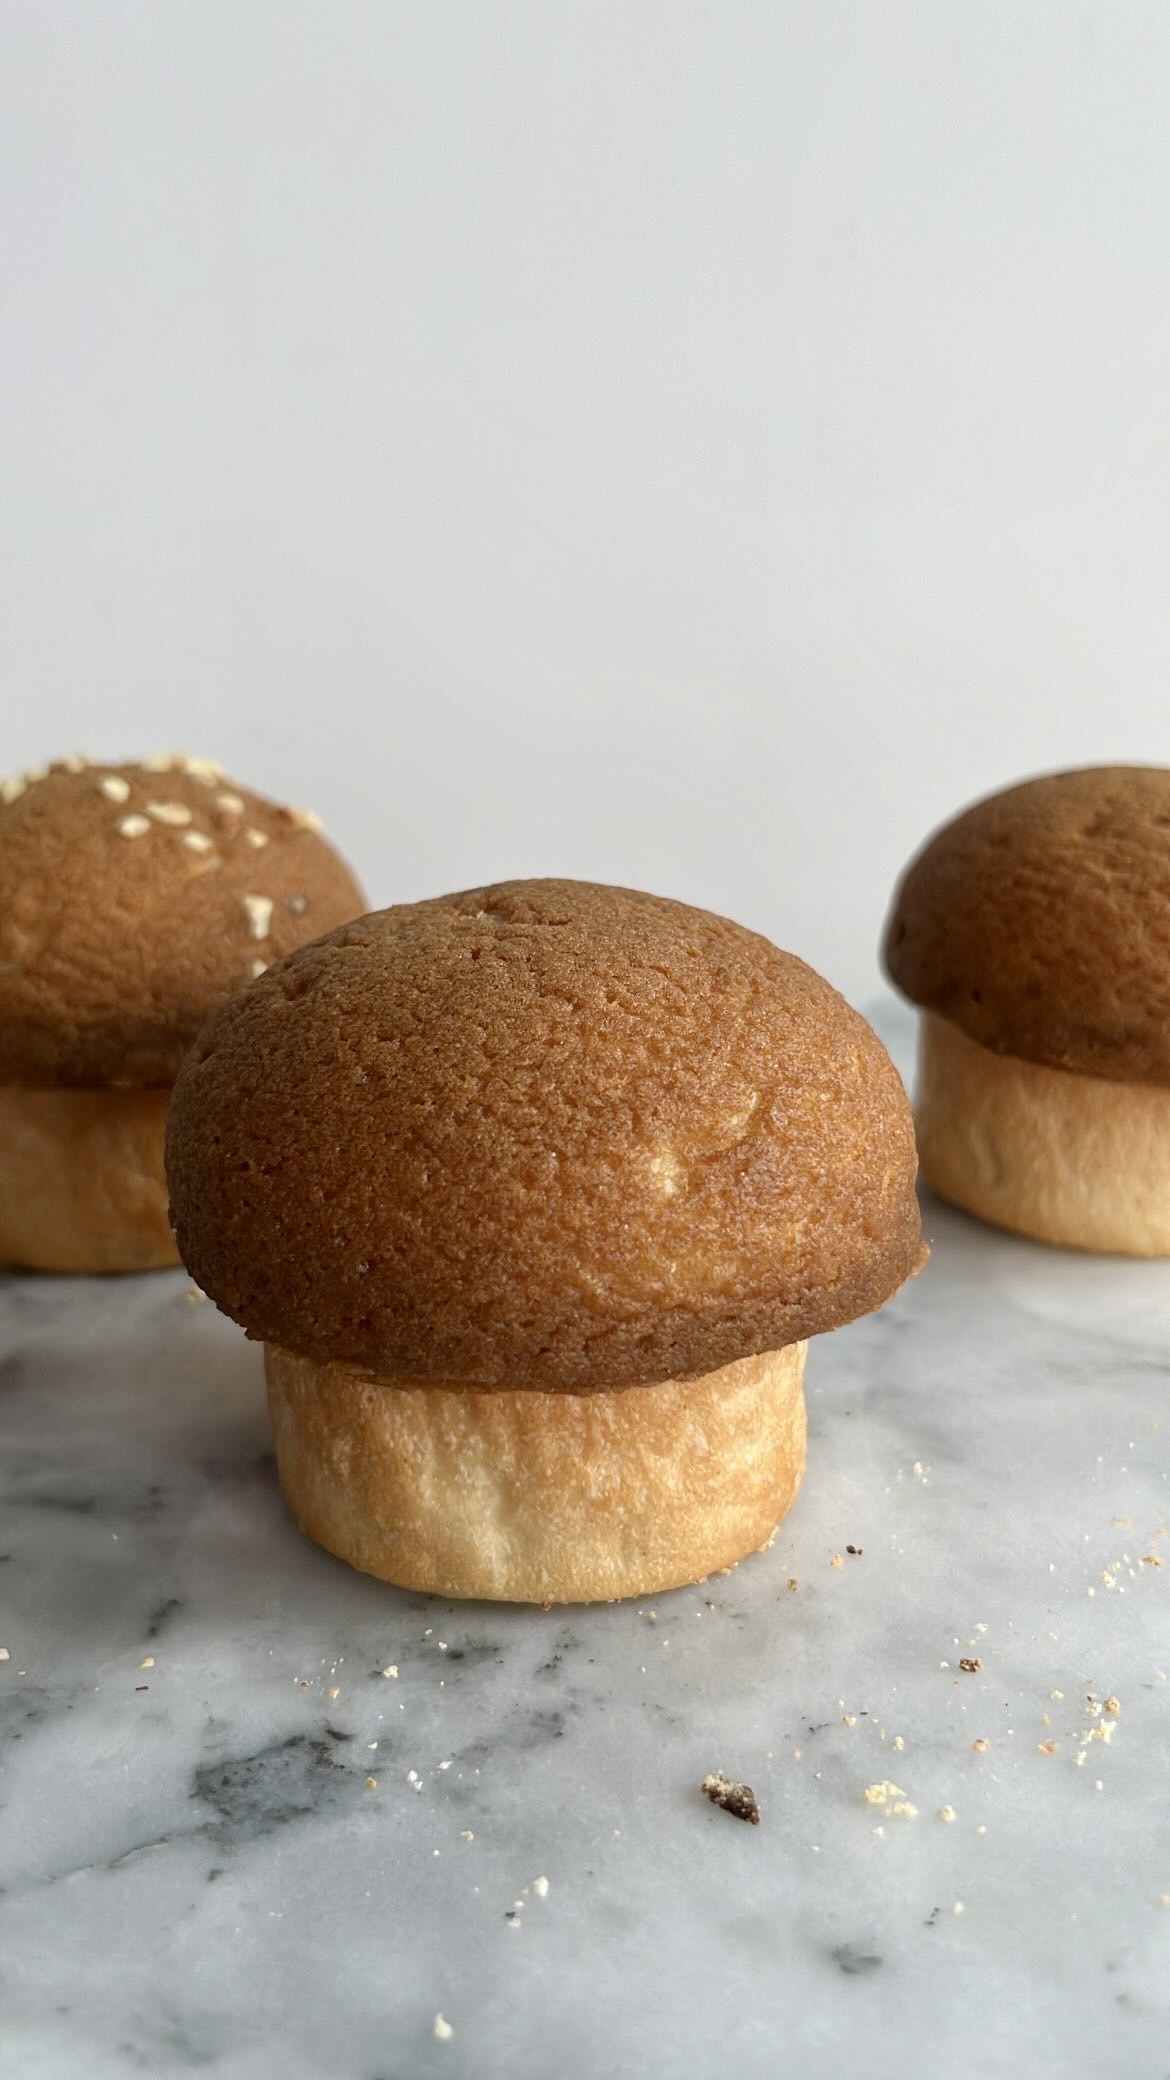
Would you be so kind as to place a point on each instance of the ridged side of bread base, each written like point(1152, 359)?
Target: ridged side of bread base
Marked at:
point(539, 1498)
point(1067, 1159)
point(81, 1181)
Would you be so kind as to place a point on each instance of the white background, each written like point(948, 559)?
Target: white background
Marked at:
point(690, 445)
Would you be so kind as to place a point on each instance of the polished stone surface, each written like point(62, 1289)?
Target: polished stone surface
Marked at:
point(230, 1842)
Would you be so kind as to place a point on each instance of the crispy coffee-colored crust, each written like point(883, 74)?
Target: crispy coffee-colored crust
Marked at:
point(1039, 923)
point(543, 1135)
point(116, 942)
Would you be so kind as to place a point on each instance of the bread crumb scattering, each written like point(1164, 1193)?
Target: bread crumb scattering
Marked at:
point(947, 1813)
point(981, 1746)
point(881, 1794)
point(4, 1654)
point(1112, 1705)
point(540, 1887)
point(391, 1669)
point(970, 1664)
point(371, 1783)
point(1047, 1748)
point(738, 1799)
point(837, 1561)
point(442, 2029)
point(133, 826)
point(148, 1662)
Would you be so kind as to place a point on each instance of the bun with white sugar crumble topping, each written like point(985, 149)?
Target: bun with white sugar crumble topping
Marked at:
point(133, 899)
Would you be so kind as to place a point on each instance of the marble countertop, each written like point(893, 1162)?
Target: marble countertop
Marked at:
point(260, 1815)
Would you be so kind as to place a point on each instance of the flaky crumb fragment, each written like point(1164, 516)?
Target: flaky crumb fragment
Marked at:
point(970, 1664)
point(442, 2029)
point(733, 1796)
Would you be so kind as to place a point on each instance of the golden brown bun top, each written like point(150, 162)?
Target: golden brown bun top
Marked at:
point(133, 898)
point(542, 1135)
point(1039, 923)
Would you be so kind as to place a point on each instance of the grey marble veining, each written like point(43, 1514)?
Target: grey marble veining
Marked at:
point(196, 1874)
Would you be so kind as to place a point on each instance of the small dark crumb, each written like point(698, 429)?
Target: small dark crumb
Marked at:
point(970, 1665)
point(141, 1686)
point(855, 1550)
point(735, 1798)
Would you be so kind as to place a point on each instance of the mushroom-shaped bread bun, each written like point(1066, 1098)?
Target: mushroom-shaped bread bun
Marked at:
point(1034, 932)
point(133, 898)
point(534, 1195)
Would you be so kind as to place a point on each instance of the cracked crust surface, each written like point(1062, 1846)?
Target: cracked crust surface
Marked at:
point(1038, 922)
point(133, 898)
point(544, 1135)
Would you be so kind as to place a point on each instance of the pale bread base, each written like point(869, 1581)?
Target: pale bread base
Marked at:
point(539, 1498)
point(1067, 1159)
point(82, 1187)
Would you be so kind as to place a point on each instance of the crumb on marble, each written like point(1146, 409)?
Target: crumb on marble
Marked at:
point(391, 1669)
point(881, 1794)
point(4, 1654)
point(793, 1585)
point(1112, 1705)
point(540, 1887)
point(980, 1745)
point(148, 1662)
point(837, 1560)
point(334, 1691)
point(442, 2029)
point(1047, 1748)
point(734, 1797)
point(947, 1813)
point(855, 1550)
point(970, 1664)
